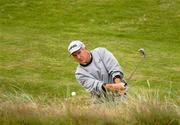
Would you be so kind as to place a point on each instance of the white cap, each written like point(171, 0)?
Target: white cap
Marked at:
point(75, 45)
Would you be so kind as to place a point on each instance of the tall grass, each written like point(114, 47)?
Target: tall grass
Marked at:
point(144, 108)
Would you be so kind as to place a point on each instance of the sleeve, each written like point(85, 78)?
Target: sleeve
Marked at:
point(111, 63)
point(91, 84)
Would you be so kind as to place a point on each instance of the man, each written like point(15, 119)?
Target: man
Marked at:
point(98, 71)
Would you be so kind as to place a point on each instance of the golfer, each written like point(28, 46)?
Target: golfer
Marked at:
point(98, 71)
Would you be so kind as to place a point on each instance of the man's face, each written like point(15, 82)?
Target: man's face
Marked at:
point(82, 56)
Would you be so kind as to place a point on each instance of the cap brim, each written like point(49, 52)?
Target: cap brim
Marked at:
point(74, 50)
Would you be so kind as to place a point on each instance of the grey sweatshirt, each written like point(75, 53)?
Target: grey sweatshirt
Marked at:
point(102, 69)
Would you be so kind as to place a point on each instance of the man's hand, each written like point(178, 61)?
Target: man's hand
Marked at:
point(121, 86)
point(117, 80)
point(118, 87)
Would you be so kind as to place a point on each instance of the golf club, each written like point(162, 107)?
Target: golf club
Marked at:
point(142, 53)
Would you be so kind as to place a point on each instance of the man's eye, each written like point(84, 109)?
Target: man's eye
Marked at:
point(79, 52)
point(74, 55)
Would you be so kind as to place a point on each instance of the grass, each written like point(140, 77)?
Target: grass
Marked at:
point(35, 68)
point(144, 108)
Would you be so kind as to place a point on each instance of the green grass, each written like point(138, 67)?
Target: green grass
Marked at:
point(34, 62)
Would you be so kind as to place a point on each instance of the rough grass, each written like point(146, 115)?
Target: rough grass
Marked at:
point(145, 108)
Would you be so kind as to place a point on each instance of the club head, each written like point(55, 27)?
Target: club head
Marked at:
point(142, 52)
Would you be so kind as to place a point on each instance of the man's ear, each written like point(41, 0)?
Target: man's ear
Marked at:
point(84, 49)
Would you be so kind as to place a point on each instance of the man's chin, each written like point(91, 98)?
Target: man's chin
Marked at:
point(83, 63)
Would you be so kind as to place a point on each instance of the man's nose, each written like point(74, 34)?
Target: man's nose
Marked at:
point(78, 56)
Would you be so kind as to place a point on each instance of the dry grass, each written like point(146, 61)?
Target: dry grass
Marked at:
point(142, 109)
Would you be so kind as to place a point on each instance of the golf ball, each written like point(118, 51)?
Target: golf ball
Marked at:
point(73, 93)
